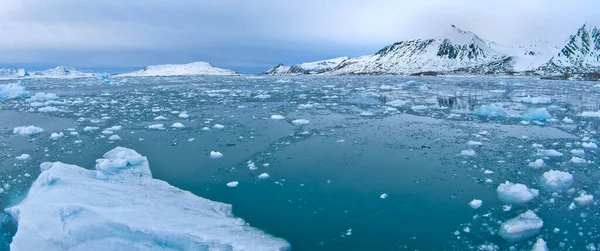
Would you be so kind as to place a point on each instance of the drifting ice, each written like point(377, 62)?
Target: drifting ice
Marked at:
point(490, 111)
point(119, 206)
point(556, 180)
point(539, 114)
point(27, 130)
point(522, 227)
point(516, 194)
point(13, 91)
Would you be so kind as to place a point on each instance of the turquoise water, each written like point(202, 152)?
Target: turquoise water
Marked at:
point(326, 177)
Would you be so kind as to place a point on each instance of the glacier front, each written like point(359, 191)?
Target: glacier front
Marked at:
point(119, 206)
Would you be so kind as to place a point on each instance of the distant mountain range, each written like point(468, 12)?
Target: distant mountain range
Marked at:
point(463, 52)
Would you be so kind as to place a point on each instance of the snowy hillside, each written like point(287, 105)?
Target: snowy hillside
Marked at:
point(306, 68)
point(581, 53)
point(530, 57)
point(461, 49)
point(191, 69)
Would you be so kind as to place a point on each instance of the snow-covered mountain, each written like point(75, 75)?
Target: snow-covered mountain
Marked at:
point(306, 68)
point(581, 53)
point(191, 69)
point(461, 50)
point(61, 72)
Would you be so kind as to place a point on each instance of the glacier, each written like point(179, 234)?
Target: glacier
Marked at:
point(119, 206)
point(191, 69)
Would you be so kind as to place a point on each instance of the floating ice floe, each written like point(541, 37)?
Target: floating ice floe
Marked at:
point(157, 127)
point(490, 111)
point(23, 157)
point(177, 125)
point(578, 152)
point(277, 117)
point(397, 103)
point(475, 204)
point(539, 114)
point(42, 96)
point(550, 153)
point(591, 114)
point(567, 120)
point(589, 145)
point(556, 181)
point(300, 121)
point(539, 163)
point(516, 194)
point(578, 160)
point(48, 109)
point(184, 115)
point(383, 196)
point(160, 118)
point(467, 153)
point(27, 130)
point(13, 91)
point(233, 184)
point(533, 100)
point(90, 128)
point(263, 176)
point(218, 126)
point(114, 137)
point(119, 206)
point(474, 143)
point(522, 227)
point(56, 135)
point(584, 199)
point(216, 155)
point(540, 245)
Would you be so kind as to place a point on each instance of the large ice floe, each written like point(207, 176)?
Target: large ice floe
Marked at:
point(522, 227)
point(516, 194)
point(556, 180)
point(13, 91)
point(119, 206)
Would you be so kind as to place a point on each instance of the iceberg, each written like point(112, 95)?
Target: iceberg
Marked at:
point(490, 111)
point(13, 91)
point(191, 69)
point(556, 180)
point(522, 227)
point(27, 130)
point(119, 206)
point(539, 114)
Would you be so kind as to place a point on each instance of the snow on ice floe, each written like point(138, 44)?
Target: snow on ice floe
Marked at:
point(13, 91)
point(48, 109)
point(216, 155)
point(539, 114)
point(383, 196)
point(157, 127)
point(191, 69)
point(27, 130)
point(177, 125)
point(550, 153)
point(522, 227)
point(184, 115)
point(556, 181)
point(23, 157)
point(475, 204)
point(263, 176)
point(119, 206)
point(277, 117)
point(591, 114)
point(218, 126)
point(56, 135)
point(114, 137)
point(233, 184)
point(467, 153)
point(300, 121)
point(516, 194)
point(42, 97)
point(567, 120)
point(589, 145)
point(578, 152)
point(533, 100)
point(584, 199)
point(539, 163)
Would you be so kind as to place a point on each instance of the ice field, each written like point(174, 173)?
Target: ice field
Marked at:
point(311, 163)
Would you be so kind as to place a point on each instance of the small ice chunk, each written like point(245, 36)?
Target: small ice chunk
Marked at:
point(277, 117)
point(216, 155)
point(539, 114)
point(27, 130)
point(488, 172)
point(55, 135)
point(522, 227)
point(474, 143)
point(556, 180)
point(468, 153)
point(184, 115)
point(383, 196)
point(157, 127)
point(490, 111)
point(567, 120)
point(218, 126)
point(160, 118)
point(516, 194)
point(550, 153)
point(90, 128)
point(540, 245)
point(589, 145)
point(539, 163)
point(578, 152)
point(177, 125)
point(263, 176)
point(23, 157)
point(475, 204)
point(232, 184)
point(114, 137)
point(300, 121)
point(584, 199)
point(577, 160)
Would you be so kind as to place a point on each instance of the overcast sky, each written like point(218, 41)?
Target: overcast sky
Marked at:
point(252, 35)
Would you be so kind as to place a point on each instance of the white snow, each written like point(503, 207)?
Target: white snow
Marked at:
point(306, 68)
point(13, 91)
point(556, 180)
point(300, 121)
point(216, 155)
point(522, 227)
point(475, 204)
point(27, 130)
point(191, 69)
point(233, 184)
point(516, 194)
point(23, 157)
point(539, 163)
point(119, 206)
point(277, 117)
